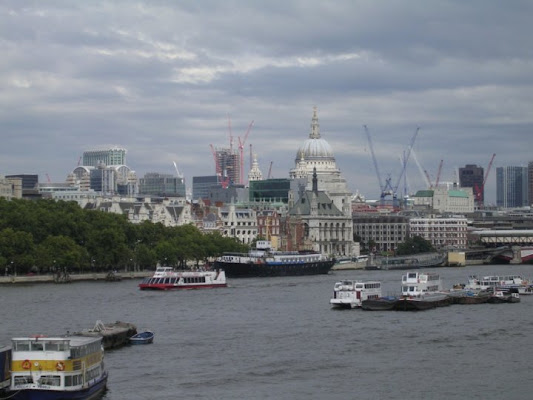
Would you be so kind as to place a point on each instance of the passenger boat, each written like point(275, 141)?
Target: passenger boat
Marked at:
point(263, 261)
point(57, 368)
point(422, 291)
point(165, 278)
point(145, 337)
point(385, 303)
point(350, 294)
point(504, 282)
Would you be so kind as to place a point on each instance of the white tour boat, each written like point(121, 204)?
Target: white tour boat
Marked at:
point(165, 278)
point(504, 282)
point(350, 294)
point(421, 291)
point(57, 368)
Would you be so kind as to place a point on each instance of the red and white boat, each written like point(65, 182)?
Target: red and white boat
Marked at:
point(165, 278)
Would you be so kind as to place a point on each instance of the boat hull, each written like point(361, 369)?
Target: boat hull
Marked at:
point(382, 304)
point(154, 286)
point(242, 270)
point(92, 393)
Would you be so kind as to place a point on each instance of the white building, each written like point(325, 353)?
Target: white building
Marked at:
point(240, 223)
point(445, 200)
point(441, 232)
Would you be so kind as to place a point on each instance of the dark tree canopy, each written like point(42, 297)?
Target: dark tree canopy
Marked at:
point(414, 245)
point(44, 235)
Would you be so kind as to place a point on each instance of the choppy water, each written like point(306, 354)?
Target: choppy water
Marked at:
point(278, 338)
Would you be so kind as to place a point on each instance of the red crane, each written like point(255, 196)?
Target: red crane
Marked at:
point(478, 191)
point(241, 151)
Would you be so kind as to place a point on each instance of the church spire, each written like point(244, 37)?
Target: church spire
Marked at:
point(315, 127)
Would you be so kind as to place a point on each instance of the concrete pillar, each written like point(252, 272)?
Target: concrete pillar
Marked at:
point(517, 255)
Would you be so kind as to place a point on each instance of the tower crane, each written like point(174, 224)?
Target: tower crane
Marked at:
point(270, 170)
point(386, 188)
point(478, 191)
point(406, 159)
point(438, 173)
point(180, 175)
point(382, 187)
point(241, 151)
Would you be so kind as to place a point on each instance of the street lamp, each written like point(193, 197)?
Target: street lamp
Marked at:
point(13, 269)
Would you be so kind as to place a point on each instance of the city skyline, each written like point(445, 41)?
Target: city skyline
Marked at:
point(167, 80)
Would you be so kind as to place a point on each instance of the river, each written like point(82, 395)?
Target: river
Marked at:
point(278, 338)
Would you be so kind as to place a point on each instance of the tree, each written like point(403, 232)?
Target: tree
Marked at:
point(414, 245)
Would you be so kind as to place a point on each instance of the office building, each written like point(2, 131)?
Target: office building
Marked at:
point(511, 187)
point(471, 176)
point(202, 184)
point(165, 185)
point(113, 156)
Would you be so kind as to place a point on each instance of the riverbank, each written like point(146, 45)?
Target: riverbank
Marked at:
point(100, 276)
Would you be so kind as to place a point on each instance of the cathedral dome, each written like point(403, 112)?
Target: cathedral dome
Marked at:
point(315, 147)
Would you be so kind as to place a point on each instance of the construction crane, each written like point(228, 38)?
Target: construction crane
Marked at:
point(438, 174)
point(423, 171)
point(376, 168)
point(241, 151)
point(180, 175)
point(478, 191)
point(386, 188)
point(270, 170)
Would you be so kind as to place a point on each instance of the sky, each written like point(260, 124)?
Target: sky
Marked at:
point(167, 79)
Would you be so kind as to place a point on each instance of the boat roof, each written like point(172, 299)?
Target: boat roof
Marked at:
point(74, 341)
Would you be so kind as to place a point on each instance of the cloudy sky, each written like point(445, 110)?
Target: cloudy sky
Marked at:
point(165, 79)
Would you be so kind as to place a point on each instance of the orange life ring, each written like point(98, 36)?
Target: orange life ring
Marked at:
point(26, 364)
point(60, 366)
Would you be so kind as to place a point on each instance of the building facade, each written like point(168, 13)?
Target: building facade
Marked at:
point(444, 200)
point(441, 232)
point(112, 156)
point(239, 223)
point(511, 187)
point(156, 184)
point(202, 184)
point(270, 190)
point(380, 233)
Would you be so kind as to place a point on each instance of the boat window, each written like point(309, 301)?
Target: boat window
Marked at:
point(50, 380)
point(37, 346)
point(23, 379)
point(51, 346)
point(411, 275)
point(73, 380)
point(22, 346)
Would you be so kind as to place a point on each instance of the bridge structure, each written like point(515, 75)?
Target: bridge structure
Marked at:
point(513, 246)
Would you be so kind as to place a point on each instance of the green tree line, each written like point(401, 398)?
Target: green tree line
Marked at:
point(47, 235)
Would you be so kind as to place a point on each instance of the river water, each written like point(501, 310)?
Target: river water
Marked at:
point(278, 338)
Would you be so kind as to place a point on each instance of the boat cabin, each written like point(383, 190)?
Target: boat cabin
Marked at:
point(418, 283)
point(350, 294)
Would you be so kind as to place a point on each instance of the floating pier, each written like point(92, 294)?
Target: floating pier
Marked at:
point(114, 335)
